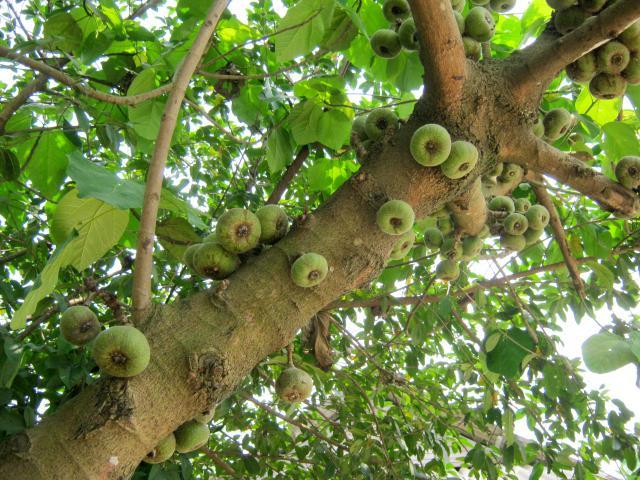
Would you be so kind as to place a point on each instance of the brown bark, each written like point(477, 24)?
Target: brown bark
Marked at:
point(469, 210)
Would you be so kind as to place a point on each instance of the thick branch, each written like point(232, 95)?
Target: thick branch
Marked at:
point(469, 210)
point(289, 174)
point(543, 158)
point(20, 99)
point(441, 50)
point(558, 232)
point(144, 255)
point(539, 63)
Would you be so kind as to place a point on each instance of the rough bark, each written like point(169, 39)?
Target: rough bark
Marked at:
point(469, 210)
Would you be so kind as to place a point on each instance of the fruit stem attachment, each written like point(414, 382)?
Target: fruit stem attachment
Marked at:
point(290, 355)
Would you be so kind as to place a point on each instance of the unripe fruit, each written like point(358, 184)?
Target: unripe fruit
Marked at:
point(238, 230)
point(395, 217)
point(210, 260)
point(632, 73)
point(502, 6)
point(628, 171)
point(408, 35)
point(462, 159)
point(510, 171)
point(163, 451)
point(496, 170)
point(448, 270)
point(502, 203)
point(471, 247)
point(379, 122)
point(274, 223)
point(430, 145)
point(451, 249)
point(569, 19)
point(359, 129)
point(538, 128)
point(459, 21)
point(402, 246)
point(631, 37)
point(607, 87)
point(211, 238)
point(479, 24)
point(189, 254)
point(538, 217)
point(482, 3)
point(385, 43)
point(294, 385)
point(121, 351)
point(396, 10)
point(515, 243)
point(309, 270)
point(458, 5)
point(522, 204)
point(532, 235)
point(515, 224)
point(79, 325)
point(472, 48)
point(561, 4)
point(612, 57)
point(445, 225)
point(433, 237)
point(206, 416)
point(557, 122)
point(191, 436)
point(583, 69)
point(592, 6)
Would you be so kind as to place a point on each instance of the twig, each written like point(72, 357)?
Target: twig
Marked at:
point(12, 256)
point(221, 463)
point(289, 174)
point(215, 123)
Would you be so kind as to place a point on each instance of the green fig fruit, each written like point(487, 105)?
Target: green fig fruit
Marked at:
point(538, 128)
point(510, 171)
point(379, 122)
point(309, 270)
point(189, 253)
point(458, 5)
point(386, 43)
point(561, 4)
point(607, 87)
point(121, 351)
point(479, 24)
point(538, 217)
point(557, 122)
point(514, 243)
point(409, 35)
point(238, 230)
point(395, 217)
point(471, 247)
point(532, 235)
point(359, 129)
point(583, 69)
point(462, 159)
point(515, 224)
point(459, 21)
point(496, 170)
point(210, 260)
point(430, 145)
point(631, 37)
point(522, 204)
point(163, 451)
point(448, 270)
point(433, 237)
point(472, 48)
point(628, 171)
point(191, 436)
point(274, 223)
point(592, 6)
point(451, 249)
point(402, 247)
point(567, 20)
point(394, 10)
point(502, 203)
point(632, 73)
point(612, 57)
point(205, 416)
point(79, 325)
point(294, 385)
point(485, 232)
point(502, 6)
point(445, 225)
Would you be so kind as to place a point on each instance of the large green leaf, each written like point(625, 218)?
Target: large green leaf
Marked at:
point(49, 162)
point(620, 139)
point(311, 123)
point(63, 32)
point(605, 352)
point(279, 150)
point(508, 353)
point(145, 117)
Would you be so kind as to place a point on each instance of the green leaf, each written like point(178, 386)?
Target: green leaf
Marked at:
point(62, 31)
point(620, 139)
point(634, 344)
point(601, 111)
point(279, 150)
point(341, 32)
point(507, 356)
point(309, 124)
point(303, 28)
point(12, 361)
point(49, 163)
point(99, 226)
point(508, 426)
point(176, 234)
point(146, 116)
point(605, 352)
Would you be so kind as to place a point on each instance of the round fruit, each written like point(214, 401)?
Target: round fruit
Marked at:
point(445, 225)
point(501, 203)
point(628, 171)
point(538, 128)
point(189, 253)
point(458, 5)
point(459, 21)
point(448, 270)
point(557, 122)
point(79, 325)
point(210, 260)
point(163, 451)
point(408, 35)
point(379, 122)
point(485, 232)
point(396, 10)
point(607, 87)
point(472, 48)
point(433, 237)
point(566, 21)
point(502, 6)
point(612, 57)
point(471, 247)
point(358, 128)
point(190, 436)
point(211, 238)
point(294, 385)
point(592, 6)
point(206, 416)
point(238, 230)
point(403, 246)
point(632, 73)
point(395, 217)
point(532, 235)
point(121, 351)
point(274, 223)
point(538, 217)
point(430, 145)
point(386, 43)
point(515, 243)
point(561, 4)
point(309, 270)
point(631, 37)
point(451, 249)
point(515, 224)
point(462, 159)
point(479, 24)
point(522, 204)
point(509, 172)
point(496, 170)
point(583, 69)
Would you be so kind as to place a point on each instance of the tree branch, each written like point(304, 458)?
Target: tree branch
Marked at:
point(543, 158)
point(144, 254)
point(221, 463)
point(469, 210)
point(289, 174)
point(558, 232)
point(532, 69)
point(20, 99)
point(441, 50)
